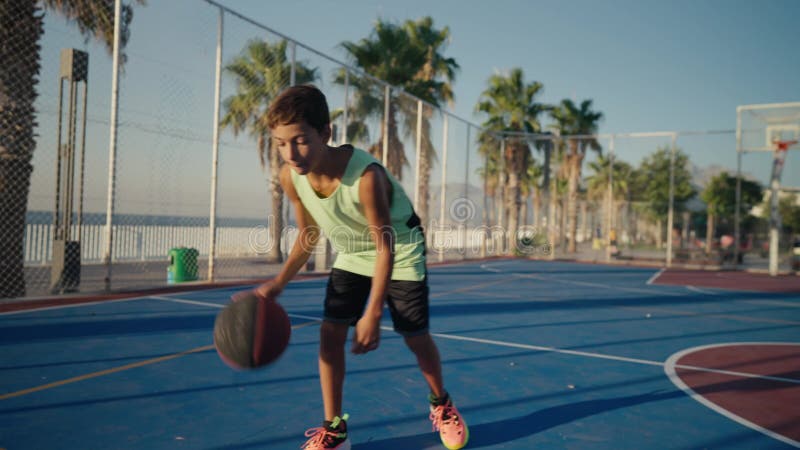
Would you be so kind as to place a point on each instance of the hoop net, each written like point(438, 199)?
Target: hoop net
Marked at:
point(783, 145)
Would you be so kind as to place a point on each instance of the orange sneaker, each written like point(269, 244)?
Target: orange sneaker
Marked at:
point(330, 436)
point(451, 426)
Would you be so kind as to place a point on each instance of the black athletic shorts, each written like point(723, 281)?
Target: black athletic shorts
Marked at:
point(347, 296)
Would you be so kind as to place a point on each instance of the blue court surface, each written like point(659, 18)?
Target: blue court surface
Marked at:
point(542, 355)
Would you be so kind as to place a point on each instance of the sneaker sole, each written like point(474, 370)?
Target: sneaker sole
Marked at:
point(458, 447)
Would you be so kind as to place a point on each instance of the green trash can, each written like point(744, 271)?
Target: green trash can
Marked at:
point(182, 265)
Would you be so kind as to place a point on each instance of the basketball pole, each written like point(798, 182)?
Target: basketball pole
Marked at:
point(779, 158)
point(112, 145)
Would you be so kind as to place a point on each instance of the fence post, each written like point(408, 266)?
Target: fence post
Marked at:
point(443, 199)
point(112, 145)
point(610, 197)
point(212, 216)
point(419, 155)
point(386, 100)
point(671, 213)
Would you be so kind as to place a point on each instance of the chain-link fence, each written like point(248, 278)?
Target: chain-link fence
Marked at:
point(190, 193)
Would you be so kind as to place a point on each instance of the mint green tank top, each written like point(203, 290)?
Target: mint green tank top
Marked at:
point(341, 217)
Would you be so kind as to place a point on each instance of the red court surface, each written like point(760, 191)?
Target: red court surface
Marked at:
point(755, 384)
point(738, 280)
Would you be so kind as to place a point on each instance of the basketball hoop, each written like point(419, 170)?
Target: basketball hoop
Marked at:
point(783, 145)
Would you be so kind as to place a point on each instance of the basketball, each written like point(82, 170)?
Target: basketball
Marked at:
point(251, 331)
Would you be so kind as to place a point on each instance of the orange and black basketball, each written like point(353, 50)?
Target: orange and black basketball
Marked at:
point(251, 331)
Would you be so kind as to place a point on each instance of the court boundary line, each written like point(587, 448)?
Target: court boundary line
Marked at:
point(579, 283)
point(637, 290)
point(109, 371)
point(140, 297)
point(546, 349)
point(669, 370)
point(655, 276)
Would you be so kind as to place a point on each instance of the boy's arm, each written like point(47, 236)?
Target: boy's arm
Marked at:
point(303, 247)
point(374, 195)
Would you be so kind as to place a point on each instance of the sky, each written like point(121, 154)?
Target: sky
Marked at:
point(646, 65)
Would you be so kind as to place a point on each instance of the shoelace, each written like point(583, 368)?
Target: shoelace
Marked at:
point(443, 415)
point(319, 437)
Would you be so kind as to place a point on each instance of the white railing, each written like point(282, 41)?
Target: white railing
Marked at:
point(152, 242)
point(138, 242)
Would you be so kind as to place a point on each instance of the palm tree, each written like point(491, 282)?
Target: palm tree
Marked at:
point(391, 54)
point(511, 105)
point(261, 72)
point(572, 120)
point(598, 183)
point(20, 32)
point(436, 67)
point(531, 190)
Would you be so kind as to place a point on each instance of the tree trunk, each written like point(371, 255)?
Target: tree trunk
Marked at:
point(395, 155)
point(659, 237)
point(523, 211)
point(537, 209)
point(424, 185)
point(274, 254)
point(584, 219)
point(685, 229)
point(20, 33)
point(513, 211)
point(562, 211)
point(709, 232)
point(501, 215)
point(551, 217)
point(574, 162)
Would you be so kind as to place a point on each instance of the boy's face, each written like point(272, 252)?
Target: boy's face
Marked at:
point(300, 145)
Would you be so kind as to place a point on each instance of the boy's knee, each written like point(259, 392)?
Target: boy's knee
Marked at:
point(332, 336)
point(418, 342)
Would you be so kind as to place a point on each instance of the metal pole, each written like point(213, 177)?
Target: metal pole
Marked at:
point(502, 210)
point(443, 199)
point(69, 179)
point(212, 216)
point(293, 70)
point(344, 116)
point(466, 188)
point(485, 213)
point(112, 145)
point(83, 157)
point(610, 196)
point(671, 213)
point(386, 99)
point(59, 154)
point(736, 230)
point(418, 165)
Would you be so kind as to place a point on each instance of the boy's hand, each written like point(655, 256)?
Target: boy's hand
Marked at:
point(367, 335)
point(269, 290)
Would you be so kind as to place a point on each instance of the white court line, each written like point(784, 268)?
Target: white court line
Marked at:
point(71, 305)
point(580, 283)
point(642, 308)
point(701, 291)
point(773, 303)
point(220, 306)
point(535, 347)
point(144, 297)
point(655, 275)
point(669, 369)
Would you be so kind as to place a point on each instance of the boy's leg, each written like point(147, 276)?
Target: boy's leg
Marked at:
point(331, 366)
point(345, 298)
point(408, 303)
point(428, 360)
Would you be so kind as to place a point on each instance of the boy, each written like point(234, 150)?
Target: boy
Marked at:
point(381, 257)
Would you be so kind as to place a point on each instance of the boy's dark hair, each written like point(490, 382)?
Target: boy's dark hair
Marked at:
point(299, 103)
